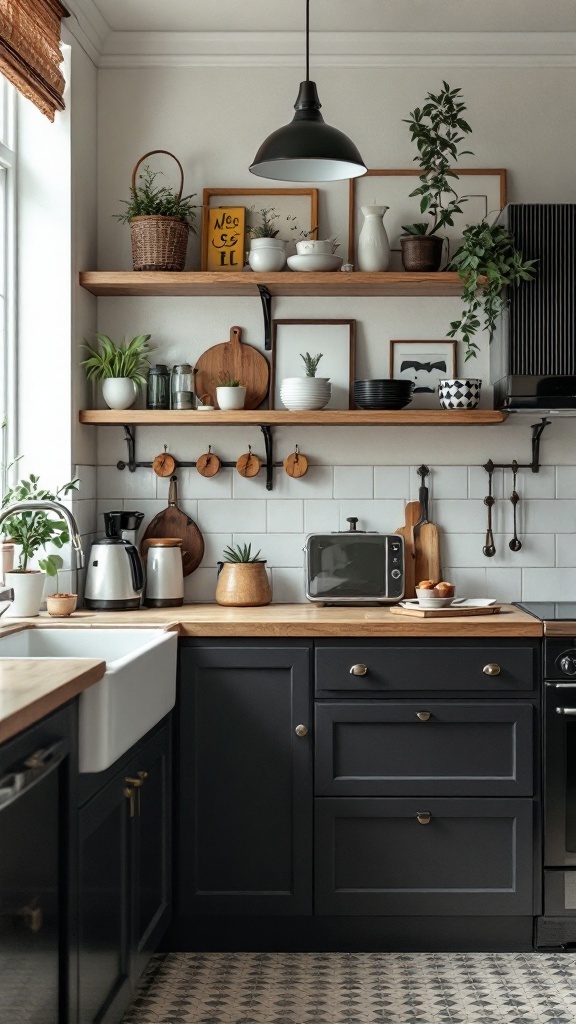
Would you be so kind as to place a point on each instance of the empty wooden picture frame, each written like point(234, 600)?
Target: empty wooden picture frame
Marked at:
point(486, 188)
point(425, 363)
point(298, 203)
point(335, 339)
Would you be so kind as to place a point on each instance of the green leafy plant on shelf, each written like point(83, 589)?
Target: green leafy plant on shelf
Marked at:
point(241, 553)
point(128, 359)
point(226, 380)
point(33, 529)
point(150, 200)
point(488, 251)
point(311, 363)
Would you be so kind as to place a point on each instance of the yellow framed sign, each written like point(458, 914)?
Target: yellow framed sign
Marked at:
point(224, 238)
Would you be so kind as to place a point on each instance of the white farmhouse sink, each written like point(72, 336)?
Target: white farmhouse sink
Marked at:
point(136, 691)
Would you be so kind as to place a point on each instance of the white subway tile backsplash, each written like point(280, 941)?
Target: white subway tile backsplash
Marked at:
point(391, 482)
point(504, 584)
point(468, 582)
point(214, 544)
point(113, 483)
point(231, 516)
point(442, 482)
point(285, 516)
point(478, 482)
point(566, 550)
point(192, 484)
point(456, 516)
point(558, 516)
point(353, 481)
point(318, 483)
point(278, 549)
point(87, 487)
point(466, 549)
point(532, 485)
point(382, 516)
point(566, 481)
point(85, 514)
point(321, 516)
point(548, 584)
point(200, 586)
point(288, 586)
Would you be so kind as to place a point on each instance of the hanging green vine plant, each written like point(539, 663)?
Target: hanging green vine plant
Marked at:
point(487, 252)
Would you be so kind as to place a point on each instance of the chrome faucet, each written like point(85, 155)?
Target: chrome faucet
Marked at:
point(50, 506)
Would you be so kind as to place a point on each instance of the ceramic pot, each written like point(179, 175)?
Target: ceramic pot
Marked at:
point(459, 393)
point(7, 558)
point(324, 246)
point(243, 584)
point(60, 606)
point(302, 393)
point(267, 255)
point(373, 244)
point(421, 253)
point(119, 392)
point(231, 398)
point(27, 587)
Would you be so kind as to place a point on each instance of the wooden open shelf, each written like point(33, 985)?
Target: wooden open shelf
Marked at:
point(279, 417)
point(129, 282)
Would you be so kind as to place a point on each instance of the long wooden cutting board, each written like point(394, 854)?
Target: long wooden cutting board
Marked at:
point(173, 522)
point(412, 514)
point(243, 362)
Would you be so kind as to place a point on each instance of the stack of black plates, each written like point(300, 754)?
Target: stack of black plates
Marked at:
point(382, 394)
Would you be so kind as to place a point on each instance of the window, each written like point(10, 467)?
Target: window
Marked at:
point(7, 277)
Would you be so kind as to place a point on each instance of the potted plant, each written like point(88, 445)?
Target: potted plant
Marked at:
point(437, 128)
point(267, 251)
point(487, 262)
point(230, 392)
point(120, 367)
point(160, 220)
point(308, 392)
point(31, 530)
point(242, 578)
point(59, 605)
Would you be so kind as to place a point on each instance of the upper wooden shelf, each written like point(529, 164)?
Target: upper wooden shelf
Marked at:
point(129, 282)
point(279, 417)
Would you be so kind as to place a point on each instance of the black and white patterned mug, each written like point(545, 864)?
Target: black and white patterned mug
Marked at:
point(459, 393)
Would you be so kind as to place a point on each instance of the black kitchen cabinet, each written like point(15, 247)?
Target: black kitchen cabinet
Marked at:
point(124, 877)
point(245, 779)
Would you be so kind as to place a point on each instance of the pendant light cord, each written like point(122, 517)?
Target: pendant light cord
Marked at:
point(307, 40)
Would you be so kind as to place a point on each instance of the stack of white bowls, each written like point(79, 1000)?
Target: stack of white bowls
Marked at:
point(303, 393)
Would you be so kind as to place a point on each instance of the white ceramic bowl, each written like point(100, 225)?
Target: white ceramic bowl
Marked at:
point(316, 246)
point(434, 602)
point(315, 262)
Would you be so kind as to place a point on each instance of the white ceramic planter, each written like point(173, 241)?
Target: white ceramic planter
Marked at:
point(373, 244)
point(267, 255)
point(119, 392)
point(231, 398)
point(27, 587)
point(302, 393)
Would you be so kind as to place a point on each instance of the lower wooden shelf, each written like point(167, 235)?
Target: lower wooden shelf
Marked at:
point(281, 417)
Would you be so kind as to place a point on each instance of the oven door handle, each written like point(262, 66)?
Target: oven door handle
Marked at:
point(31, 770)
point(566, 711)
point(562, 686)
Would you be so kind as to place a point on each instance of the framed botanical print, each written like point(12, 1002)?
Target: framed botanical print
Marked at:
point(425, 363)
point(335, 340)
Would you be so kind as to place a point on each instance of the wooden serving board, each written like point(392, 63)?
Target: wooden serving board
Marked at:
point(173, 522)
point(445, 613)
point(243, 362)
point(412, 514)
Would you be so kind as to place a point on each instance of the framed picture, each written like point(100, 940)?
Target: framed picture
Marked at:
point(226, 238)
point(297, 210)
point(484, 189)
point(425, 363)
point(335, 339)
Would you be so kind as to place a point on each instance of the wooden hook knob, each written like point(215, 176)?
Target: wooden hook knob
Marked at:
point(208, 464)
point(248, 464)
point(296, 464)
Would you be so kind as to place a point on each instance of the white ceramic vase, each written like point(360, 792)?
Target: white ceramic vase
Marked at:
point(267, 255)
point(27, 587)
point(373, 244)
point(302, 393)
point(231, 398)
point(119, 392)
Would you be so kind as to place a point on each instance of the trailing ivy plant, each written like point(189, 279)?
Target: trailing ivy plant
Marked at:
point(148, 199)
point(438, 128)
point(488, 251)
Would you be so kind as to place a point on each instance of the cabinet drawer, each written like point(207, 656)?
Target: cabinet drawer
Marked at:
point(425, 668)
point(374, 857)
point(454, 749)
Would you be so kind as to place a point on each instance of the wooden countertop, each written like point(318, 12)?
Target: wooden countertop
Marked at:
point(30, 689)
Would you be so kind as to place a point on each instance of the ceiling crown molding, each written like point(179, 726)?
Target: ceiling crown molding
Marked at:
point(88, 27)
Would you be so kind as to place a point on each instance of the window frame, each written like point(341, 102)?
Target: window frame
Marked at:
point(8, 284)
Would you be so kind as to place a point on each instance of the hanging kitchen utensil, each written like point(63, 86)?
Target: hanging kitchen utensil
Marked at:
point(164, 464)
point(249, 465)
point(515, 544)
point(296, 464)
point(172, 522)
point(242, 362)
point(208, 464)
point(412, 514)
point(489, 548)
point(426, 538)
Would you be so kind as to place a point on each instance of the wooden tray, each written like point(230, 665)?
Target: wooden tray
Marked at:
point(445, 613)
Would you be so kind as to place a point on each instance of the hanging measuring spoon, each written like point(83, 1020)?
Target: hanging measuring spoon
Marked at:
point(515, 544)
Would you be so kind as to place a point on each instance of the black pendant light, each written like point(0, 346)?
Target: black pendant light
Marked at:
point(308, 149)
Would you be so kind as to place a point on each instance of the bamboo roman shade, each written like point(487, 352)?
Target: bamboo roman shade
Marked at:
point(30, 55)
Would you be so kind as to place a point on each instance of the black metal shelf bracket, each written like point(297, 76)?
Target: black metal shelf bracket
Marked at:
point(269, 446)
point(266, 300)
point(537, 431)
point(130, 439)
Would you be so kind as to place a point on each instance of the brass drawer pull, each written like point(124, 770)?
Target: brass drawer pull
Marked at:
point(301, 730)
point(492, 669)
point(424, 817)
point(359, 670)
point(424, 716)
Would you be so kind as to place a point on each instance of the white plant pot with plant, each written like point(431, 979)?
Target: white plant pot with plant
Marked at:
point(230, 393)
point(31, 530)
point(267, 252)
point(120, 367)
point(309, 392)
point(59, 605)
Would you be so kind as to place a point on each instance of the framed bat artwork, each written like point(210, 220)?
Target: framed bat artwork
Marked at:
point(424, 363)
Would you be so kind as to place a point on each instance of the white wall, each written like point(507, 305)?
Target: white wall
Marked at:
point(214, 119)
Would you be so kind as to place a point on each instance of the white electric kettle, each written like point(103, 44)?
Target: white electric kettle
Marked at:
point(164, 574)
point(115, 578)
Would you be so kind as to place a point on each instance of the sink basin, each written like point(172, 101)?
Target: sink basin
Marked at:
point(136, 691)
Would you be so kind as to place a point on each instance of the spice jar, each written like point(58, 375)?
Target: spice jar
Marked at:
point(181, 387)
point(158, 387)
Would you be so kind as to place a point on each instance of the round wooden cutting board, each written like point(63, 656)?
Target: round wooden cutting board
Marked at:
point(243, 362)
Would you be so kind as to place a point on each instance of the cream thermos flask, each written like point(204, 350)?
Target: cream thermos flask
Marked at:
point(164, 575)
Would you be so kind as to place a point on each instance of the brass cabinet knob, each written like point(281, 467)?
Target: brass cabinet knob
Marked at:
point(424, 716)
point(492, 669)
point(424, 817)
point(359, 670)
point(301, 730)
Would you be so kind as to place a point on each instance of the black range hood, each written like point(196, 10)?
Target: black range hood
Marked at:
point(533, 353)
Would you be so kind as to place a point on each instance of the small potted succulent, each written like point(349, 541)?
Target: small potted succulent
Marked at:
point(121, 368)
point(59, 605)
point(267, 251)
point(308, 392)
point(242, 578)
point(230, 392)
